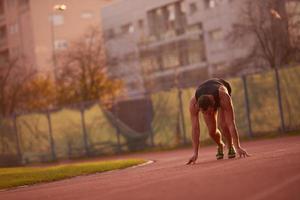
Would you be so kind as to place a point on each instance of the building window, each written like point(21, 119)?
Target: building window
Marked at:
point(196, 50)
point(194, 27)
point(86, 15)
point(193, 8)
point(109, 34)
point(210, 3)
point(57, 20)
point(60, 44)
point(168, 21)
point(127, 28)
point(216, 35)
point(23, 3)
point(3, 33)
point(133, 85)
point(11, 3)
point(14, 28)
point(4, 57)
point(90, 40)
point(1, 7)
point(113, 62)
point(15, 51)
point(170, 56)
point(149, 61)
point(219, 66)
point(293, 11)
point(129, 58)
point(171, 13)
point(141, 24)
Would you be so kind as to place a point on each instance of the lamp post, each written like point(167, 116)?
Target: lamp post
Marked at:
point(61, 8)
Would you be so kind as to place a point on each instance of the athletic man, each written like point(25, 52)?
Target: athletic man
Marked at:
point(213, 98)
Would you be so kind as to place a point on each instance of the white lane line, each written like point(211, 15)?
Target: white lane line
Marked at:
point(272, 190)
point(143, 164)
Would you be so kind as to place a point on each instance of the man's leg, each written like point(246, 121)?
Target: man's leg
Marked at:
point(224, 128)
point(226, 133)
point(214, 133)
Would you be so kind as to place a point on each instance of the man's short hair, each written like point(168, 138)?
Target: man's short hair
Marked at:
point(204, 102)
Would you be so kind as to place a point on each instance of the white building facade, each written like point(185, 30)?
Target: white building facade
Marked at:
point(158, 44)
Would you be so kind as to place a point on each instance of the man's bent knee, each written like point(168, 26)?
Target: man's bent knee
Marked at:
point(214, 133)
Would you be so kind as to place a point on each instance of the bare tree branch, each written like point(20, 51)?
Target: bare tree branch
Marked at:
point(82, 74)
point(271, 24)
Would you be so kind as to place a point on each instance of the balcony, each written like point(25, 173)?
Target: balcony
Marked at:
point(167, 22)
point(148, 42)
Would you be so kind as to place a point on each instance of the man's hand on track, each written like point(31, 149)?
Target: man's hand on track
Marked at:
point(192, 160)
point(242, 152)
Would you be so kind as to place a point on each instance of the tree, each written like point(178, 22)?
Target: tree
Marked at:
point(271, 25)
point(81, 77)
point(13, 78)
point(39, 93)
point(82, 71)
point(23, 89)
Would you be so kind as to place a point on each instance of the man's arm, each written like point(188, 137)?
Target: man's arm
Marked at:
point(194, 114)
point(227, 105)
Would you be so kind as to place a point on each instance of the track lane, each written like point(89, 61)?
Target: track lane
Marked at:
point(272, 172)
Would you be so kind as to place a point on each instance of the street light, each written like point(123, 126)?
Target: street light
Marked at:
point(275, 14)
point(61, 8)
point(58, 7)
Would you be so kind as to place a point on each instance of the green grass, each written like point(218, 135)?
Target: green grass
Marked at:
point(12, 177)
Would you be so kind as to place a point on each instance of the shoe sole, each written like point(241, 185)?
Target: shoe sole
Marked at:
point(220, 157)
point(231, 156)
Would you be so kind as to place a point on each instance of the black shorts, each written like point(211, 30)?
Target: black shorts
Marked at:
point(227, 85)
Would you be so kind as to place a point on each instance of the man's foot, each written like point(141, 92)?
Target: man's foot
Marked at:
point(231, 152)
point(220, 152)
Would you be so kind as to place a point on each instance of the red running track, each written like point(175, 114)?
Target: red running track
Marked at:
point(272, 172)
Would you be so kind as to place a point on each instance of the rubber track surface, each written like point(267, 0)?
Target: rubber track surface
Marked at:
point(272, 172)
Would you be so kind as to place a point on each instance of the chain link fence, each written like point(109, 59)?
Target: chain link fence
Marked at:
point(264, 103)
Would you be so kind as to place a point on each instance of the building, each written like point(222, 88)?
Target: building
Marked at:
point(15, 31)
point(293, 12)
point(33, 29)
point(158, 44)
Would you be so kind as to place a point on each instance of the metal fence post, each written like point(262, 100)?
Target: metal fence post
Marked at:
point(151, 137)
point(19, 152)
point(279, 98)
point(247, 106)
point(149, 115)
point(52, 145)
point(116, 108)
point(84, 132)
point(181, 114)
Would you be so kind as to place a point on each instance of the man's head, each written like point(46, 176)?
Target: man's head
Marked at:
point(204, 102)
